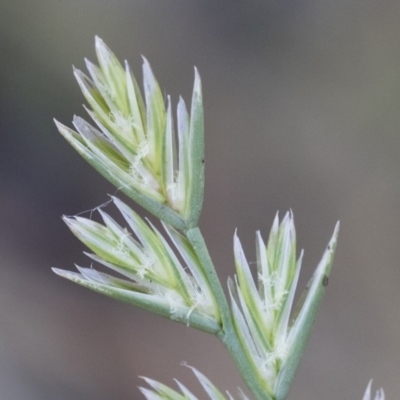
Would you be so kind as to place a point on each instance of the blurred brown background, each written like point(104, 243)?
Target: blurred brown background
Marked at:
point(301, 103)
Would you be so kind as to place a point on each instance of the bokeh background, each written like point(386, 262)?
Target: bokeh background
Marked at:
point(301, 105)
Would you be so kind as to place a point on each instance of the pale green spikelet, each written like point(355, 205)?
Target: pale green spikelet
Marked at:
point(151, 270)
point(379, 395)
point(135, 145)
point(262, 311)
point(160, 391)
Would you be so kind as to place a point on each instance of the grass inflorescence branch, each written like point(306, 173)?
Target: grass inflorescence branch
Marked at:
point(156, 157)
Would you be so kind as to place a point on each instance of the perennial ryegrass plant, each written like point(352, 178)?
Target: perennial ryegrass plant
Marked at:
point(156, 157)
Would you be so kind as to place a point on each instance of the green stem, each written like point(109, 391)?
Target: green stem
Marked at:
point(228, 334)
